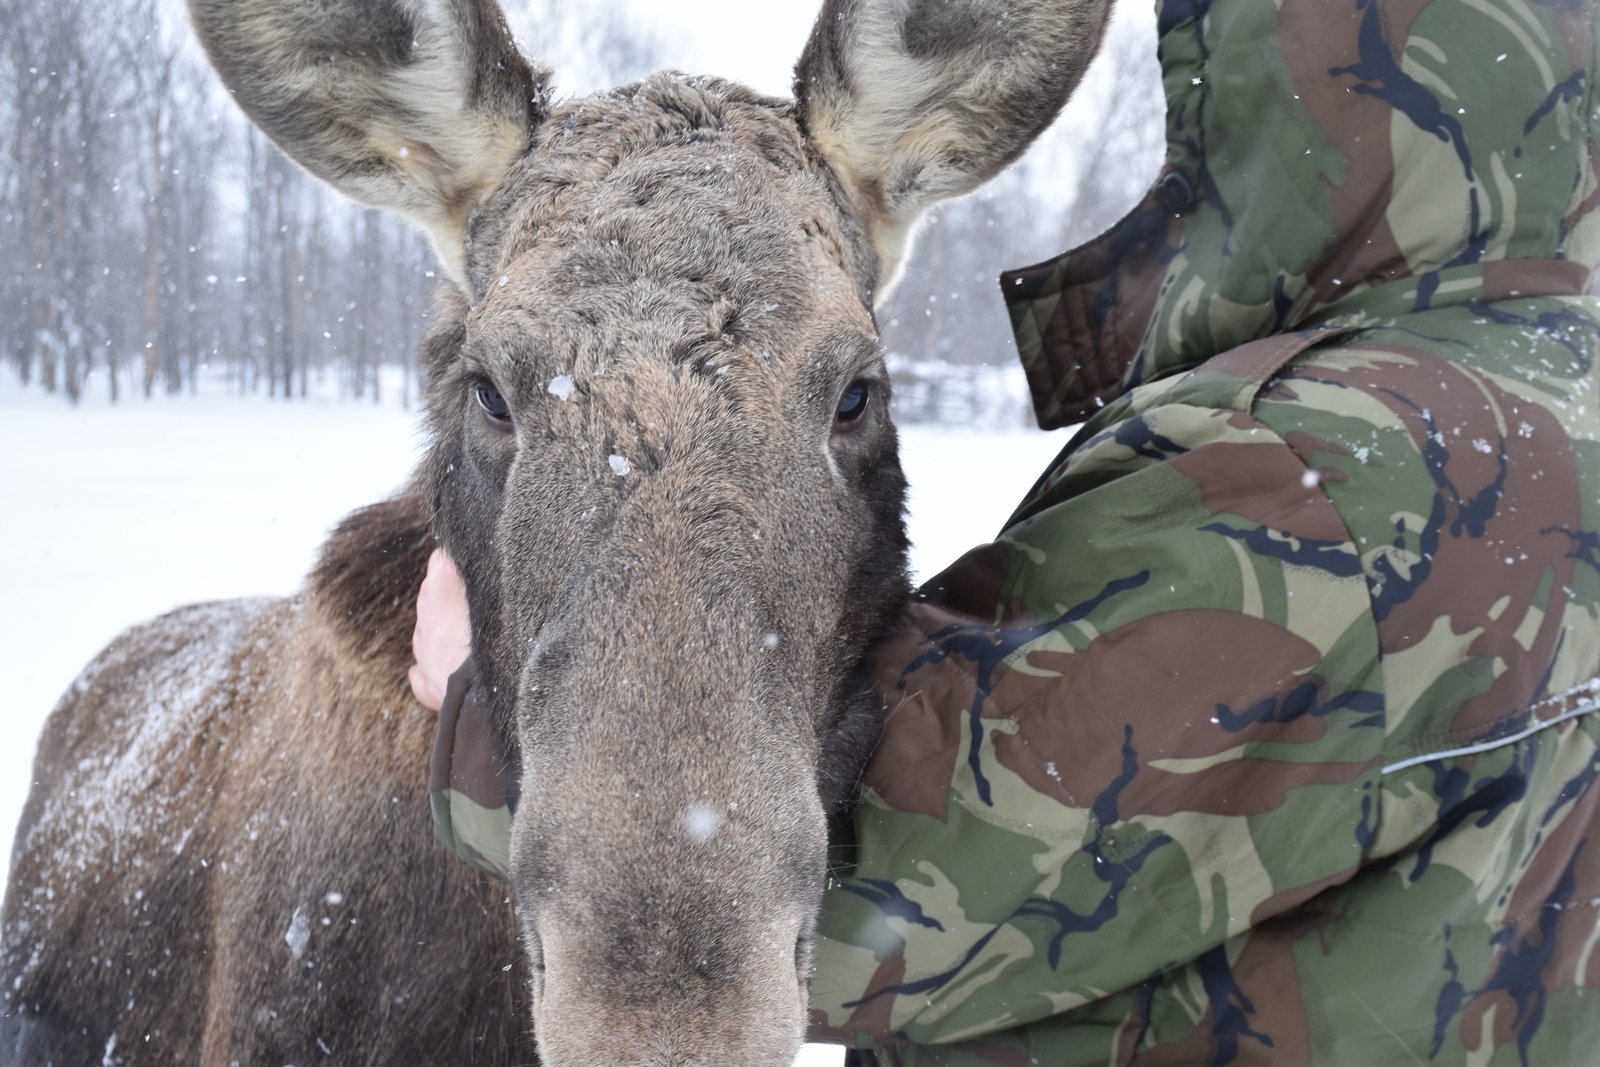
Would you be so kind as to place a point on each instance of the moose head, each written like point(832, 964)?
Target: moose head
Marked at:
point(661, 452)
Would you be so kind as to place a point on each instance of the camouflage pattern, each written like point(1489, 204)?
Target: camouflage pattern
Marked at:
point(472, 795)
point(1318, 150)
point(1264, 732)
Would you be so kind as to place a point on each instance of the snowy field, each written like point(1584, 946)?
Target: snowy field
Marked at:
point(115, 513)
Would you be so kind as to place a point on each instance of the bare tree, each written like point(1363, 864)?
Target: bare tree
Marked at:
point(145, 230)
point(150, 57)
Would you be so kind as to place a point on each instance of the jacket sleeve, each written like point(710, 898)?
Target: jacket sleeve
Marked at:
point(470, 791)
point(1147, 718)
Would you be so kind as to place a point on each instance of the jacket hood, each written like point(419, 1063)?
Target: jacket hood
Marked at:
point(1328, 159)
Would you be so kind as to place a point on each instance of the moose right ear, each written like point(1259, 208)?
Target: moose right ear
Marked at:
point(420, 106)
point(916, 101)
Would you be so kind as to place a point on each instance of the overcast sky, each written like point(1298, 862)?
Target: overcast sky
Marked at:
point(752, 41)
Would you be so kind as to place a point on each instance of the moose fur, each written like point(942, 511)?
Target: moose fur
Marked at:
point(674, 570)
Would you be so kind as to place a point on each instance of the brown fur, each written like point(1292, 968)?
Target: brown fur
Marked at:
point(670, 648)
point(166, 895)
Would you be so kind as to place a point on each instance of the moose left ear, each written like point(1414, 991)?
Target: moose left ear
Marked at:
point(420, 106)
point(915, 101)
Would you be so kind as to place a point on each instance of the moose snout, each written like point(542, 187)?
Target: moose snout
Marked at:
point(670, 844)
point(680, 999)
point(668, 911)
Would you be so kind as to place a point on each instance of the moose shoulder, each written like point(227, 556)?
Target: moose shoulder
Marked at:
point(661, 457)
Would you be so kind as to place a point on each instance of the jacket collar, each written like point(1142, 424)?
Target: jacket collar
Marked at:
point(1080, 318)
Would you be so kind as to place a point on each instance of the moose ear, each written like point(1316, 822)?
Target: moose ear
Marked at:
point(915, 101)
point(421, 106)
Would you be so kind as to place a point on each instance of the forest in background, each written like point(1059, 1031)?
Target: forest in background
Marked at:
point(149, 234)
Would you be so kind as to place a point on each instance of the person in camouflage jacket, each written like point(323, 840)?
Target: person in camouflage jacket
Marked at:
point(1264, 732)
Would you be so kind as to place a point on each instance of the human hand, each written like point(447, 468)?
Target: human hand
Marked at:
point(443, 635)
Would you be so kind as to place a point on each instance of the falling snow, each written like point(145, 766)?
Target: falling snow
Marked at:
point(701, 822)
point(298, 934)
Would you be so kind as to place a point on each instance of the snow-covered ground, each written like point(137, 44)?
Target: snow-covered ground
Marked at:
point(115, 513)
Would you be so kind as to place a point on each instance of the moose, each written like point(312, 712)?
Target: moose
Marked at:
point(675, 558)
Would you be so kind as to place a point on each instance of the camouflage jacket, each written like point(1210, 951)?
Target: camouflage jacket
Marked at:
point(1263, 733)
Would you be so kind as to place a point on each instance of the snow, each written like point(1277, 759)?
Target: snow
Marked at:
point(111, 794)
point(965, 485)
point(701, 822)
point(299, 933)
point(116, 513)
point(119, 513)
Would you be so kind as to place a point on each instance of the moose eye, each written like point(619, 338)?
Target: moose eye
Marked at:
point(494, 406)
point(852, 405)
